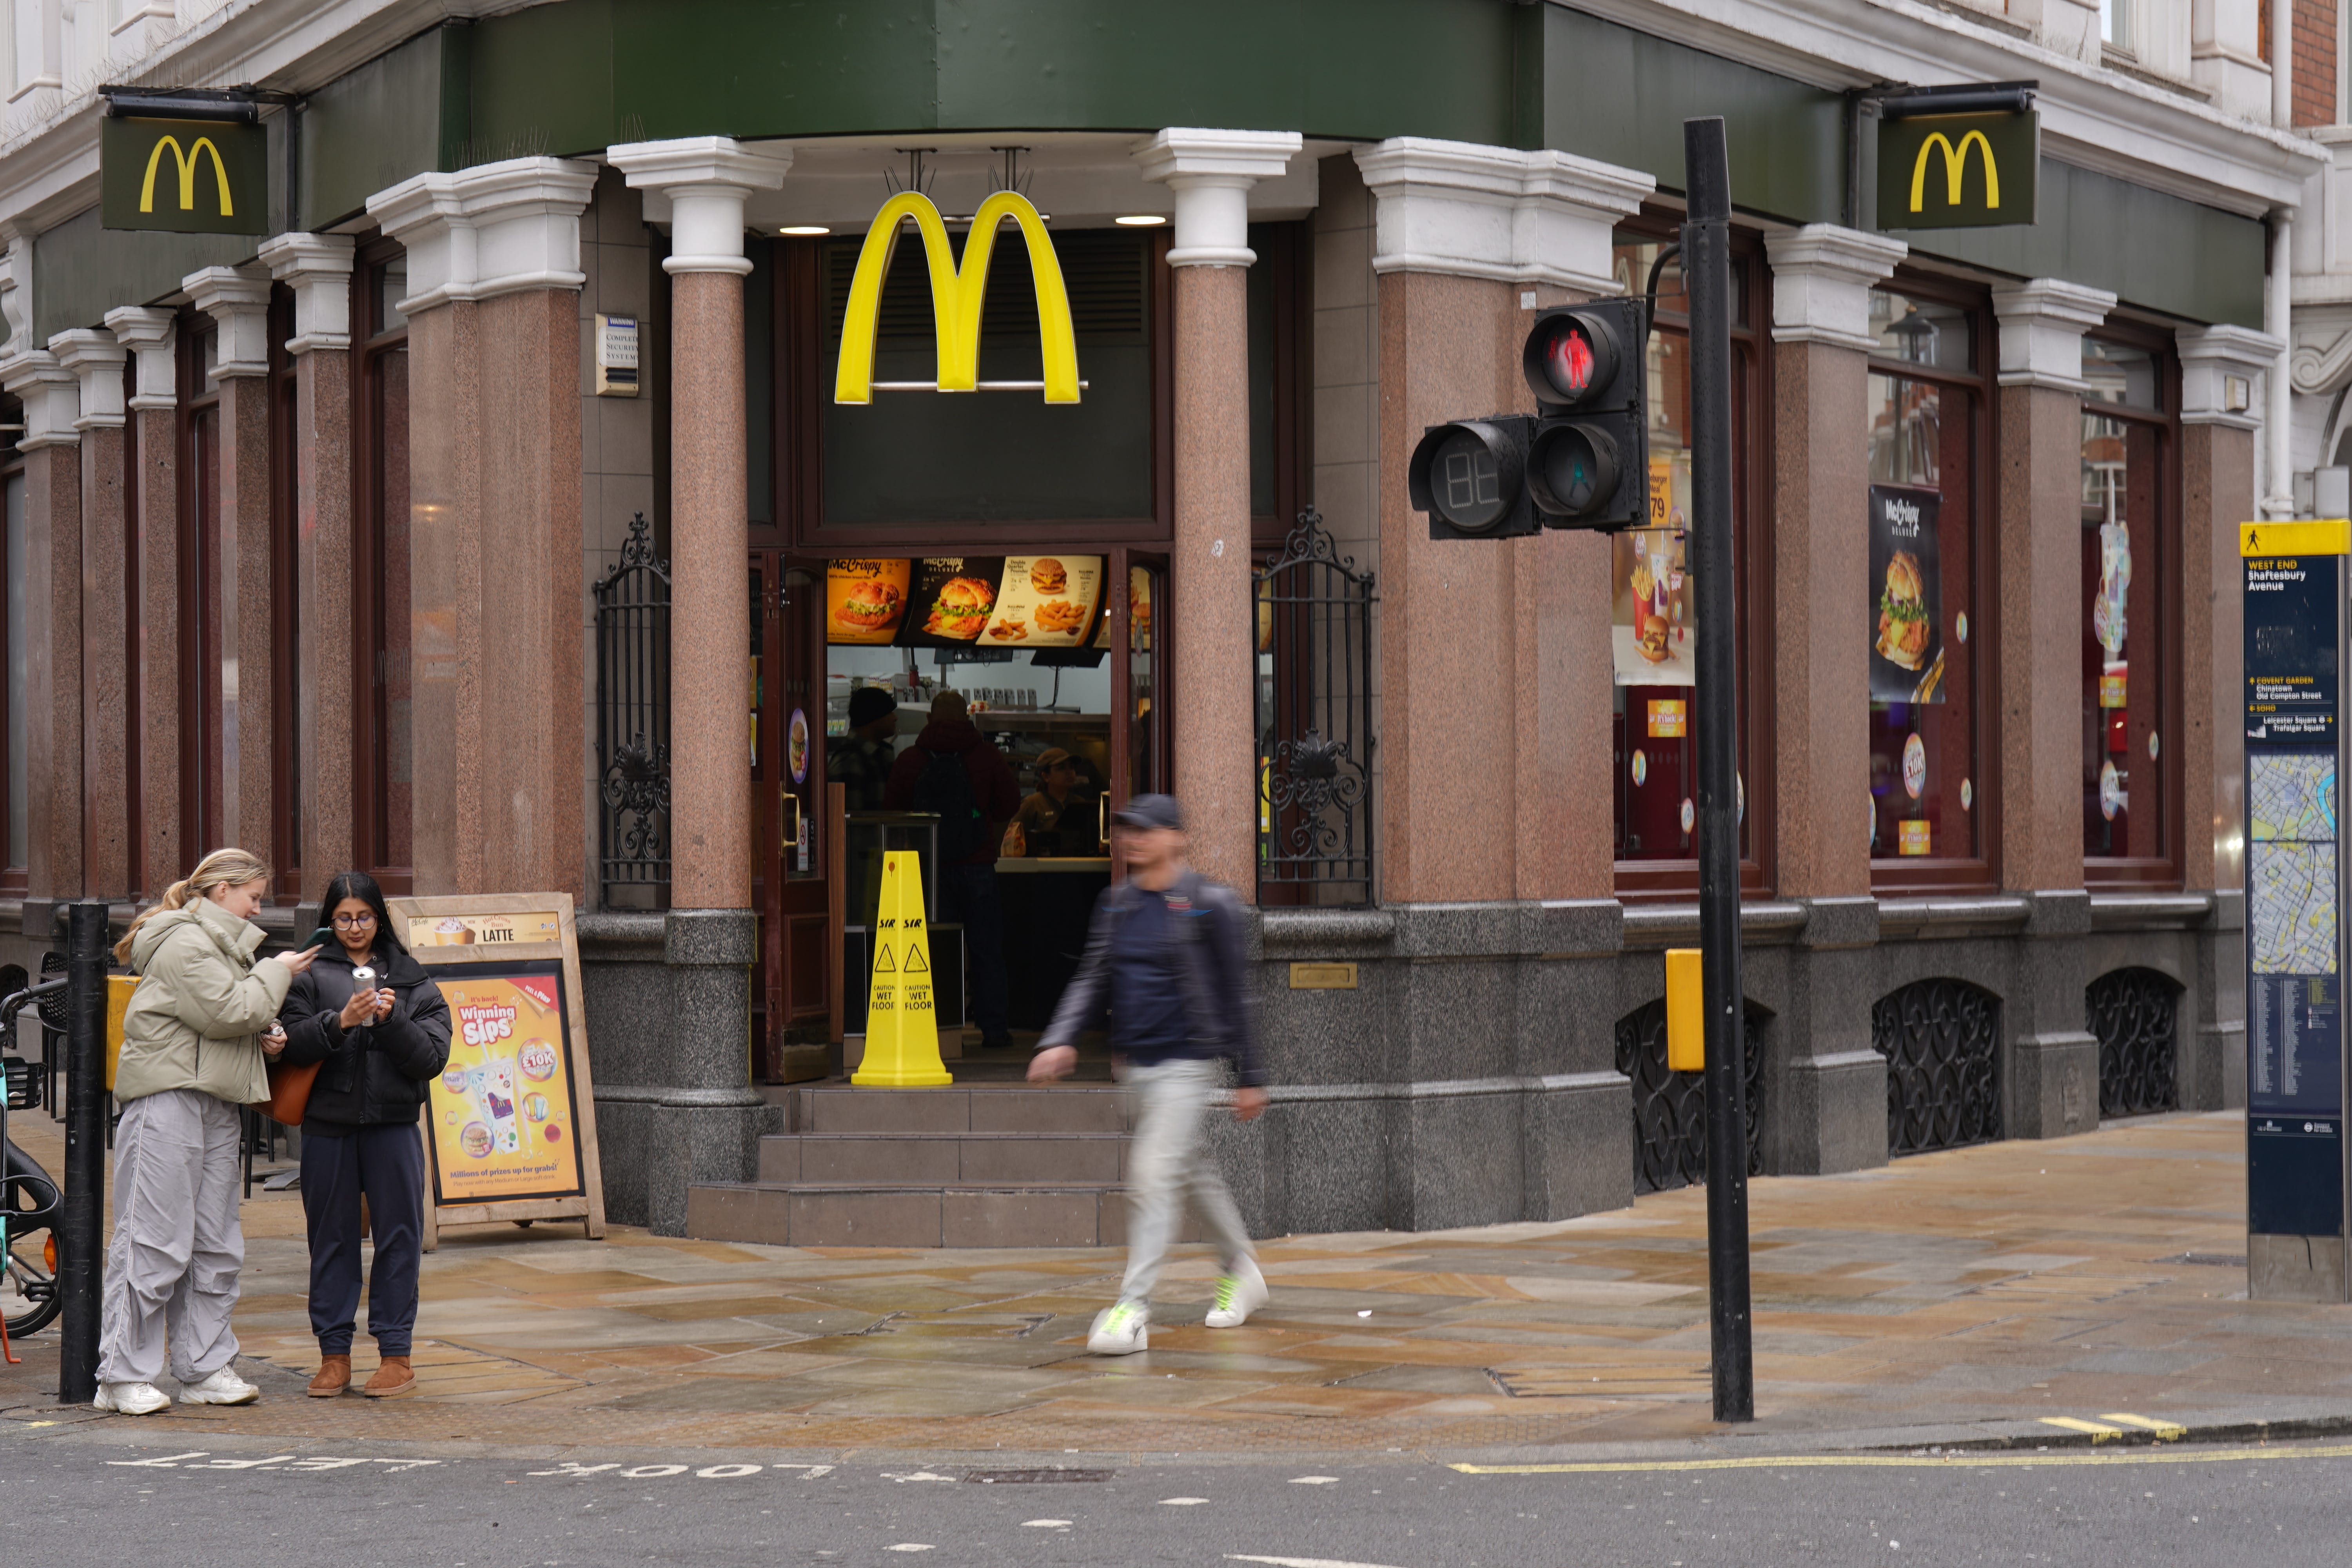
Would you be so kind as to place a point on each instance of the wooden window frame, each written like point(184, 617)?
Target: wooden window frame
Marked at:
point(1915, 875)
point(2157, 873)
point(1676, 881)
point(367, 619)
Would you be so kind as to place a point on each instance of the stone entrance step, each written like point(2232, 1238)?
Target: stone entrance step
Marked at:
point(887, 1214)
point(960, 1108)
point(947, 1158)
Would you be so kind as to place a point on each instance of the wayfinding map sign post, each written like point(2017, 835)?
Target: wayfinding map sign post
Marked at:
point(2295, 1193)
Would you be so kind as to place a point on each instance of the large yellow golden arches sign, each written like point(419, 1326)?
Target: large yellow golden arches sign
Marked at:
point(1956, 166)
point(187, 162)
point(956, 295)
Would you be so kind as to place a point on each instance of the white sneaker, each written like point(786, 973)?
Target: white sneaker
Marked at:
point(131, 1398)
point(223, 1387)
point(1238, 1295)
point(1123, 1330)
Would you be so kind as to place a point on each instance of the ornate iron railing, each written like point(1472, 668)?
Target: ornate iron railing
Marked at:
point(1670, 1108)
point(1314, 721)
point(633, 725)
point(1941, 1039)
point(2134, 1012)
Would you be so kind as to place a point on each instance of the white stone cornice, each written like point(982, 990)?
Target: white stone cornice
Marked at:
point(146, 332)
point(51, 395)
point(1496, 212)
point(2042, 328)
point(318, 268)
point(96, 361)
point(706, 180)
point(1211, 172)
point(498, 228)
point(1822, 279)
point(2221, 370)
point(238, 299)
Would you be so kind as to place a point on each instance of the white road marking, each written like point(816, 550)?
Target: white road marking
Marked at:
point(1312, 1480)
point(647, 1472)
point(916, 1476)
point(316, 1463)
point(1181, 1501)
point(910, 1546)
point(726, 1472)
point(1044, 1524)
point(1301, 1562)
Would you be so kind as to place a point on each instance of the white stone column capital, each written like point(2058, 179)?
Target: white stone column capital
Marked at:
point(497, 228)
point(318, 268)
point(706, 180)
point(146, 331)
point(1822, 279)
point(1211, 172)
point(51, 395)
point(1475, 211)
point(96, 361)
point(2042, 328)
point(2221, 370)
point(237, 298)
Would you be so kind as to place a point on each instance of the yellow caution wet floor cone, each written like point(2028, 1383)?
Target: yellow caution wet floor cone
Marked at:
point(902, 1032)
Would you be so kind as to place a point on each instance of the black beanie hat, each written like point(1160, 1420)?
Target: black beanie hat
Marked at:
point(868, 703)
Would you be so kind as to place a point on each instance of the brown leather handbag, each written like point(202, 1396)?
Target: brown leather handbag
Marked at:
point(290, 1092)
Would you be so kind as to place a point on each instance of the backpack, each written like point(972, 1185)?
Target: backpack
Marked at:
point(945, 786)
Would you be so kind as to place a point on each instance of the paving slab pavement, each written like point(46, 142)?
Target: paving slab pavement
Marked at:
point(2080, 1289)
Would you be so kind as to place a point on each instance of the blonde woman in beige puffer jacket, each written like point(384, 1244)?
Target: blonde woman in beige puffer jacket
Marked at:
point(196, 1040)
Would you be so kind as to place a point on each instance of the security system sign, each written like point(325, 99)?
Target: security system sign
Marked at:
point(184, 177)
point(1958, 170)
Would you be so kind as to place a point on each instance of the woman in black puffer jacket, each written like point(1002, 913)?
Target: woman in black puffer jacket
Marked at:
point(380, 1047)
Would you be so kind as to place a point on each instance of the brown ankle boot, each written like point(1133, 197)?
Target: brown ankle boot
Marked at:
point(334, 1376)
point(393, 1376)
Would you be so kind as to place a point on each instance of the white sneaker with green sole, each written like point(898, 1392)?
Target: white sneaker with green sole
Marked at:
point(1123, 1330)
point(1238, 1295)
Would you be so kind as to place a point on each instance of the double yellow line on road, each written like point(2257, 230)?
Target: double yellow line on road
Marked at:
point(1972, 1461)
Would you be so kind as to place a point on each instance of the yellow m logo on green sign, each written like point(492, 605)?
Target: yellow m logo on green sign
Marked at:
point(187, 162)
point(956, 295)
point(1956, 165)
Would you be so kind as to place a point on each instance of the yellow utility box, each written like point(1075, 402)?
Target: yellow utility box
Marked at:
point(1686, 1012)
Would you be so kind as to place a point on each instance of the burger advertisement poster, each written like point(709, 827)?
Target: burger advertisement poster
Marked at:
point(964, 601)
point(500, 1116)
point(1906, 640)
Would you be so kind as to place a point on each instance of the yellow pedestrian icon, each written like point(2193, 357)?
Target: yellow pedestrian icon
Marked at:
point(902, 1035)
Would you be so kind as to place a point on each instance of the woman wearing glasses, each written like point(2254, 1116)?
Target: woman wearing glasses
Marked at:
point(379, 1045)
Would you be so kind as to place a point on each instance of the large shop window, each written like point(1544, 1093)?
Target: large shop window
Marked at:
point(381, 632)
point(911, 461)
point(1653, 636)
point(1925, 414)
point(2129, 502)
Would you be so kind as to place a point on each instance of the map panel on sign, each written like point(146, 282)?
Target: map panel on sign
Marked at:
point(2291, 795)
point(2294, 907)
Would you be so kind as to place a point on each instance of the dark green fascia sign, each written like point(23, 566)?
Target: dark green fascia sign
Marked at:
point(184, 177)
point(1958, 170)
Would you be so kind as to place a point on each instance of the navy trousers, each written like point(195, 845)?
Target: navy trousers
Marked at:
point(387, 1164)
point(968, 895)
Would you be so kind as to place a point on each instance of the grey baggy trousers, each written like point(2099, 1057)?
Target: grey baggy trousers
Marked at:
point(1167, 1165)
point(173, 1266)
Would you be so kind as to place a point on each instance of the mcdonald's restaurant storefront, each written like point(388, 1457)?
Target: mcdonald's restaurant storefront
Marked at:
point(603, 433)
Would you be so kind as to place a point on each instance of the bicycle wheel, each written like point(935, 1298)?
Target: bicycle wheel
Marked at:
point(29, 1300)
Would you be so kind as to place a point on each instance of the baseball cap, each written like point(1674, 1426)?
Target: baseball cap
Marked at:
point(1151, 811)
point(1050, 759)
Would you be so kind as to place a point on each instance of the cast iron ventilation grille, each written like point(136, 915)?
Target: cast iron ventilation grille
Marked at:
point(1941, 1039)
point(1102, 270)
point(2135, 1014)
point(1670, 1108)
point(632, 725)
point(1314, 721)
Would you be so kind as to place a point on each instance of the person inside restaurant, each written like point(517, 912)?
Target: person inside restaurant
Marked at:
point(860, 761)
point(1059, 819)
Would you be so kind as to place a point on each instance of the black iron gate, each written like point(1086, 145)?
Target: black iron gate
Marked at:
point(2135, 1014)
point(1670, 1108)
point(633, 725)
point(1314, 722)
point(1941, 1039)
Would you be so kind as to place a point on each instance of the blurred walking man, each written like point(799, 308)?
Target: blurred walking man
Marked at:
point(1166, 960)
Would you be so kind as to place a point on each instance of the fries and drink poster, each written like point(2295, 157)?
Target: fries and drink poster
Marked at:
point(503, 1116)
point(963, 601)
point(1906, 638)
point(1652, 639)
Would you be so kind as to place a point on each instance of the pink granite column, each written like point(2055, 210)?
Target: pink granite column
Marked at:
point(97, 359)
point(146, 332)
point(238, 301)
point(318, 268)
point(1212, 620)
point(495, 486)
point(50, 444)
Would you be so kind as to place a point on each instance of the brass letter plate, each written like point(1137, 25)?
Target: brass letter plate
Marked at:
point(1322, 977)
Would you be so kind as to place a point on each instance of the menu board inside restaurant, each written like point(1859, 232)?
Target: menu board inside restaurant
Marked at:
point(953, 601)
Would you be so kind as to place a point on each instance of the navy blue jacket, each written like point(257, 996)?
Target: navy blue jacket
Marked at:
point(1209, 929)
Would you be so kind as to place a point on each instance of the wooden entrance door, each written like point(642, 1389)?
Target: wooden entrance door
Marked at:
point(792, 988)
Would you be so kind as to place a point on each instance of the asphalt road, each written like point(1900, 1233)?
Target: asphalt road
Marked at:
point(103, 1493)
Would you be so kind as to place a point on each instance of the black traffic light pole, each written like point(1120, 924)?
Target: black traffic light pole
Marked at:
point(1707, 274)
point(85, 1193)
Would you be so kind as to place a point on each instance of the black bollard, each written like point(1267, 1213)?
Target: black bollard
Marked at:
point(85, 1184)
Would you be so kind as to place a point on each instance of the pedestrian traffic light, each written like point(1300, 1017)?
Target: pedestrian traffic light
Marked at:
point(1470, 477)
point(1587, 463)
point(1582, 462)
